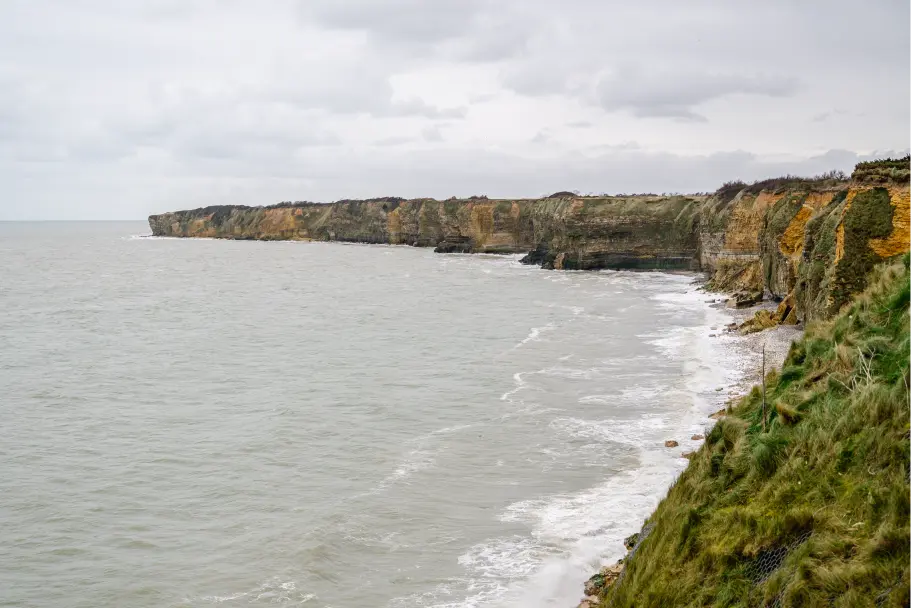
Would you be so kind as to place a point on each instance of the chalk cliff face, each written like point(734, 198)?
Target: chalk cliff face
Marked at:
point(807, 243)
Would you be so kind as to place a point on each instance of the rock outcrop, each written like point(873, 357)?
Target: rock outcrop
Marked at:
point(808, 243)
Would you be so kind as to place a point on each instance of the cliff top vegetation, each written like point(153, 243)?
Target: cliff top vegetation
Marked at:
point(800, 498)
point(883, 171)
point(829, 179)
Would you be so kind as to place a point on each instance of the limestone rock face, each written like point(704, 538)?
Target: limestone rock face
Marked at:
point(806, 243)
point(643, 232)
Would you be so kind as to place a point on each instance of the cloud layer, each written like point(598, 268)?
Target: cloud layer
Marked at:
point(118, 111)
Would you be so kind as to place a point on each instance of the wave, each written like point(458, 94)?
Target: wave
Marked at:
point(535, 334)
point(273, 591)
point(572, 534)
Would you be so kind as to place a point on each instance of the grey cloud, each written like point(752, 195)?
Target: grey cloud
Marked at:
point(438, 172)
point(416, 107)
point(393, 141)
point(534, 78)
point(407, 21)
point(322, 99)
point(677, 94)
point(363, 89)
point(482, 98)
point(432, 134)
point(542, 137)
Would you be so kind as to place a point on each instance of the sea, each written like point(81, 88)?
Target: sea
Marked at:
point(196, 422)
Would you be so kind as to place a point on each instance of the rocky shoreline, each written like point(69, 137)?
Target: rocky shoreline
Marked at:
point(776, 342)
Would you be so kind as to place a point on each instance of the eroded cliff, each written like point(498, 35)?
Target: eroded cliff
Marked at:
point(808, 243)
point(564, 232)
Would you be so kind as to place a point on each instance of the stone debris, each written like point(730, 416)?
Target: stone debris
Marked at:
point(744, 299)
point(606, 577)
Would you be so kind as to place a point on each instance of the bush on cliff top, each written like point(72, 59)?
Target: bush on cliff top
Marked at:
point(829, 179)
point(811, 508)
point(883, 171)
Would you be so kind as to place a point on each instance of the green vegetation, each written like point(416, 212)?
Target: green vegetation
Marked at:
point(829, 179)
point(777, 272)
point(817, 270)
point(809, 507)
point(883, 171)
point(868, 217)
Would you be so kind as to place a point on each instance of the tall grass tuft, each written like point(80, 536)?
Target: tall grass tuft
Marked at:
point(812, 509)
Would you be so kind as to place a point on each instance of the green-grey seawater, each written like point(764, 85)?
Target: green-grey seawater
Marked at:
point(202, 422)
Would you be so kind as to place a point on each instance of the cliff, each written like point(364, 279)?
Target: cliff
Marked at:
point(799, 496)
point(565, 231)
point(808, 243)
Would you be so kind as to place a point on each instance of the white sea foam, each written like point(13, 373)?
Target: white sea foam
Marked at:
point(535, 334)
point(520, 384)
point(422, 456)
point(272, 591)
point(636, 432)
point(417, 460)
point(571, 534)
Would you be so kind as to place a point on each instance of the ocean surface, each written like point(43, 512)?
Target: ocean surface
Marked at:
point(204, 422)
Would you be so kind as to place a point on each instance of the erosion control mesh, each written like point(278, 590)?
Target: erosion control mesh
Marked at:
point(767, 561)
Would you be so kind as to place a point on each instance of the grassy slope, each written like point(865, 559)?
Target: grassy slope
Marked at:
point(828, 479)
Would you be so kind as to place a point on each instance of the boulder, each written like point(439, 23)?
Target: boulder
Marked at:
point(719, 414)
point(786, 313)
point(454, 245)
point(697, 437)
point(670, 443)
point(744, 299)
point(606, 577)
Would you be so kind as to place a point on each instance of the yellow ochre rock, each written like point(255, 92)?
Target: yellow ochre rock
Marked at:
point(899, 241)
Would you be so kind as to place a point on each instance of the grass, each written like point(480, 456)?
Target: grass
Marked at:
point(809, 508)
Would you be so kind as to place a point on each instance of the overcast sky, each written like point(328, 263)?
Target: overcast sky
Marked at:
point(118, 109)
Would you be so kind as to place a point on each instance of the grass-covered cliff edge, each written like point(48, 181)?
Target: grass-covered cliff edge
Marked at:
point(808, 242)
point(809, 507)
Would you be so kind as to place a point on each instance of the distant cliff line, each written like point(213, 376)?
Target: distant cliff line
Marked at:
point(807, 241)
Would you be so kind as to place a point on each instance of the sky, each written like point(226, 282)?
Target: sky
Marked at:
point(116, 110)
